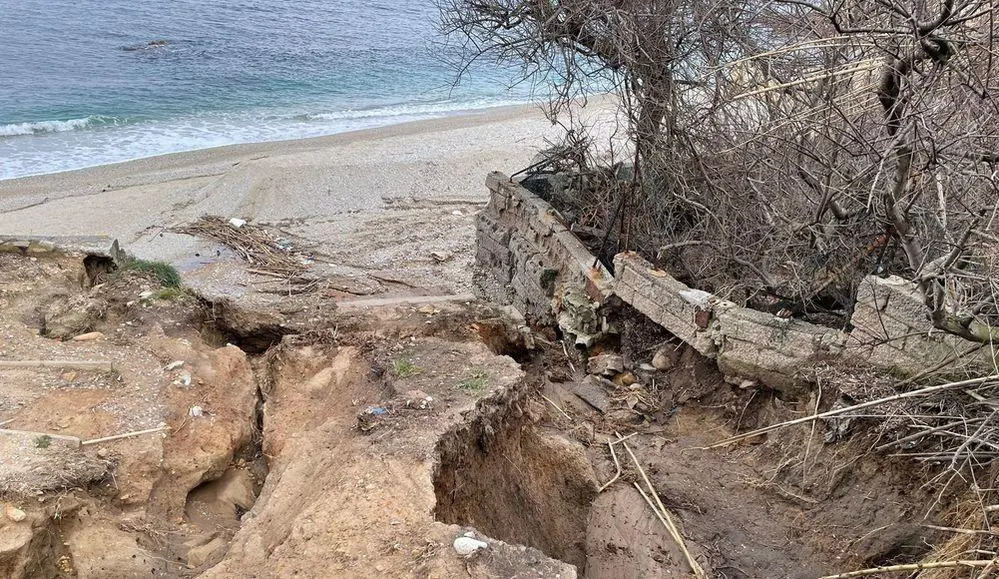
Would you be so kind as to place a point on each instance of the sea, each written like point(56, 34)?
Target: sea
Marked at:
point(92, 82)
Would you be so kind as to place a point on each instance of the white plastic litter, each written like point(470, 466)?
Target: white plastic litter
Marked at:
point(466, 545)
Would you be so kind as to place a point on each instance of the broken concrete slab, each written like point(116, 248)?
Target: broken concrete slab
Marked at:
point(593, 390)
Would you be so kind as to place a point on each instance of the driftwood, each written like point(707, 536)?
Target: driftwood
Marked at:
point(251, 242)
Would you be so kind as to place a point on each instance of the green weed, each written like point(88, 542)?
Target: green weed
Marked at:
point(476, 382)
point(404, 368)
point(164, 272)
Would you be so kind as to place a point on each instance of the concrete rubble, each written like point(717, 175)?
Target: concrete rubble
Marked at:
point(528, 251)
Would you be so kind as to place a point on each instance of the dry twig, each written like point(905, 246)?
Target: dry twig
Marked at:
point(848, 409)
point(971, 564)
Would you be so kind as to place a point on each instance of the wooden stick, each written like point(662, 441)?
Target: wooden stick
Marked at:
point(69, 364)
point(861, 406)
point(617, 465)
point(567, 358)
point(549, 400)
point(664, 515)
point(268, 273)
point(125, 435)
point(923, 433)
point(961, 531)
point(974, 564)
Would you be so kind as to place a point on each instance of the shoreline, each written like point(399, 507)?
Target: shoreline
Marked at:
point(205, 158)
point(391, 184)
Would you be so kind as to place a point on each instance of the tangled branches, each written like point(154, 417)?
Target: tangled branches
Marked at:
point(785, 149)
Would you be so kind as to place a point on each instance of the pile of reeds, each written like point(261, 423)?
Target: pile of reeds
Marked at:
point(251, 242)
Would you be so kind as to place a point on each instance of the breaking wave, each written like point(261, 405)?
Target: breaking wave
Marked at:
point(37, 127)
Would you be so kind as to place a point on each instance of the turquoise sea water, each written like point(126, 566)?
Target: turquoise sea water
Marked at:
point(90, 82)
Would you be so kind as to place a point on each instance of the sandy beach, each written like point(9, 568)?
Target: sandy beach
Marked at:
point(401, 192)
point(309, 178)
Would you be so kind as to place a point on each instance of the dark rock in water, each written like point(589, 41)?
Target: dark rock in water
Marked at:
point(146, 45)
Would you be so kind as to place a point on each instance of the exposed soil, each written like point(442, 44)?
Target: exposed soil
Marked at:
point(364, 442)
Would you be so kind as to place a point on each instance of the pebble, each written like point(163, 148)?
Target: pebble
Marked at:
point(197, 411)
point(13, 513)
point(662, 361)
point(466, 545)
point(625, 379)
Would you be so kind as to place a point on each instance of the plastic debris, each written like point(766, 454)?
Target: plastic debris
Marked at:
point(237, 222)
point(466, 546)
point(184, 380)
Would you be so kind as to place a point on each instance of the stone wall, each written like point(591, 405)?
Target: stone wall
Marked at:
point(892, 330)
point(748, 344)
point(523, 244)
point(527, 251)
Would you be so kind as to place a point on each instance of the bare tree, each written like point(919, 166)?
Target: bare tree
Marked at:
point(787, 148)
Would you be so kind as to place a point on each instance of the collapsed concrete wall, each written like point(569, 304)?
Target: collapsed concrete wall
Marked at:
point(523, 242)
point(892, 330)
point(526, 249)
point(748, 344)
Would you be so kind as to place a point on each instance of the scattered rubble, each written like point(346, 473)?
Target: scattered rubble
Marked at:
point(201, 438)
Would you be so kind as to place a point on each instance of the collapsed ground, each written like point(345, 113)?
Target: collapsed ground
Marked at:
point(324, 442)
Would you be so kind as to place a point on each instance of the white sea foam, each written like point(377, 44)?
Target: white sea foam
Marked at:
point(20, 129)
point(66, 145)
